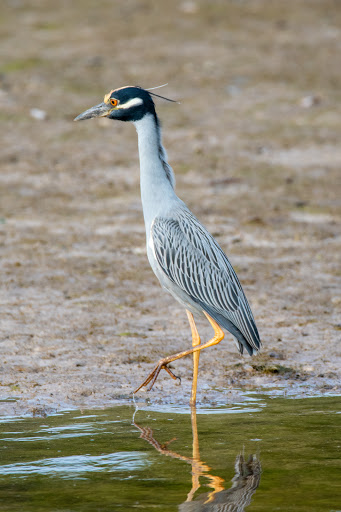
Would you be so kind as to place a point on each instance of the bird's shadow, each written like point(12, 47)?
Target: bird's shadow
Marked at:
point(244, 483)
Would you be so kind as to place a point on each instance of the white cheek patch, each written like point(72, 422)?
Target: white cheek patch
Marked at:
point(131, 103)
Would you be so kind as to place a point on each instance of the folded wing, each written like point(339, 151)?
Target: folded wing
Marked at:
point(192, 259)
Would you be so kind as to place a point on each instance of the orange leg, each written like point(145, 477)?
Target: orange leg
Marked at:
point(218, 336)
point(196, 355)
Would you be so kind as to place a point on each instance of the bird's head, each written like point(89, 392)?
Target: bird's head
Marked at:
point(125, 104)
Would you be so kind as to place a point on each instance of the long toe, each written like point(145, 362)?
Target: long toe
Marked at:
point(145, 382)
point(169, 371)
point(156, 374)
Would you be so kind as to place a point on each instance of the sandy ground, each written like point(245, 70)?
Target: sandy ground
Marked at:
point(255, 145)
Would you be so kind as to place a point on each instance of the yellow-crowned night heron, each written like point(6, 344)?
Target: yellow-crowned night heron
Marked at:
point(184, 256)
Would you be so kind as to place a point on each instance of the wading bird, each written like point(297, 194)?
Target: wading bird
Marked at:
point(183, 255)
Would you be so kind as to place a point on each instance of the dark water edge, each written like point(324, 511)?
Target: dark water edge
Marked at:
point(264, 454)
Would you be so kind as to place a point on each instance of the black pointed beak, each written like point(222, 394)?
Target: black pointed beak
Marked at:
point(100, 110)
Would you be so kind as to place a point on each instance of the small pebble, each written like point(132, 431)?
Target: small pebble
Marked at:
point(38, 114)
point(308, 368)
point(276, 355)
point(310, 101)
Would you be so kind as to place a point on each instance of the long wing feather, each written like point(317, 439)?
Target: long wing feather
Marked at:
point(192, 259)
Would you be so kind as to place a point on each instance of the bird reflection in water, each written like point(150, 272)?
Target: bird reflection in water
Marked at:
point(235, 499)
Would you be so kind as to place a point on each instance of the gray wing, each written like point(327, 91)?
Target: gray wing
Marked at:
point(192, 259)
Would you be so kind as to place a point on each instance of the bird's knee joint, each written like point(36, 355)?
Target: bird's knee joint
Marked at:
point(219, 338)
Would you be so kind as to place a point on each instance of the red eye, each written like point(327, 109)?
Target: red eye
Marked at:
point(113, 102)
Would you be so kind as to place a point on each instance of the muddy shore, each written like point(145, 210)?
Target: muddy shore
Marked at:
point(255, 146)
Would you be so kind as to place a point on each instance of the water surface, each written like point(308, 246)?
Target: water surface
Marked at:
point(264, 455)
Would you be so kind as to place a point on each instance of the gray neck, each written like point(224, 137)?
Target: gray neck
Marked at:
point(156, 176)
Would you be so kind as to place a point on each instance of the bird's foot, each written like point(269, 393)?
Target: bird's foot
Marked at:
point(154, 375)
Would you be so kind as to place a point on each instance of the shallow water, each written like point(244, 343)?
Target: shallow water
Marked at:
point(270, 454)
